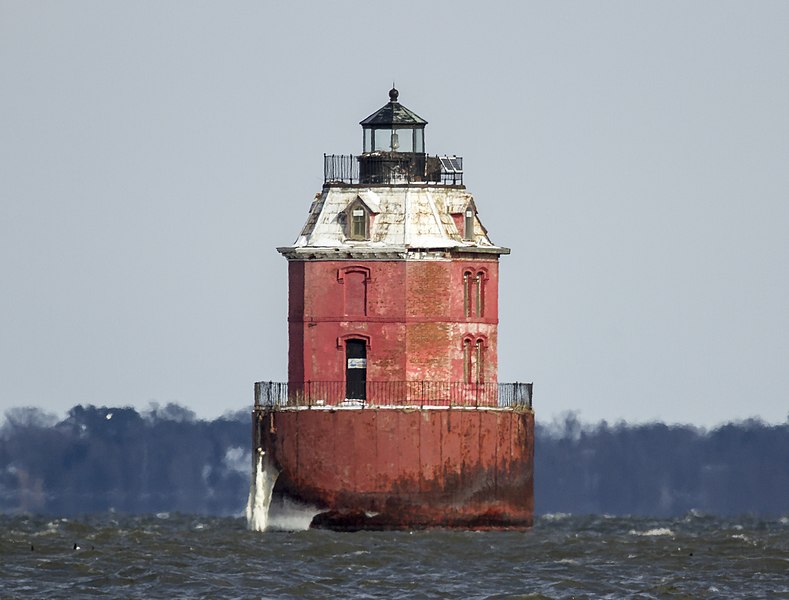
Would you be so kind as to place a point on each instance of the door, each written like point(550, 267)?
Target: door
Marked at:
point(355, 370)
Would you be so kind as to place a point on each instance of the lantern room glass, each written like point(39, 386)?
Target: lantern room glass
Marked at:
point(368, 140)
point(419, 141)
point(394, 140)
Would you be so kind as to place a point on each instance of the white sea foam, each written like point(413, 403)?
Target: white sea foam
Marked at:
point(694, 513)
point(744, 538)
point(287, 515)
point(52, 527)
point(657, 531)
point(260, 488)
point(559, 516)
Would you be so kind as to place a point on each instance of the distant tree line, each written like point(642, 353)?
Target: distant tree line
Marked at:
point(661, 470)
point(99, 459)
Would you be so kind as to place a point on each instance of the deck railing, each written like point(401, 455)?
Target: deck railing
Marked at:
point(392, 168)
point(392, 393)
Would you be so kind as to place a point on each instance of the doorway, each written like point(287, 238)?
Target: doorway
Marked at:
point(355, 370)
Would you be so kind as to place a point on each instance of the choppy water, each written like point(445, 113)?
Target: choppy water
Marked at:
point(179, 556)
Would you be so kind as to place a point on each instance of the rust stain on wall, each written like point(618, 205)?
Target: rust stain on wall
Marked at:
point(395, 468)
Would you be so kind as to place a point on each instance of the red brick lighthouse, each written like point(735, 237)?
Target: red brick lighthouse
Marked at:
point(393, 416)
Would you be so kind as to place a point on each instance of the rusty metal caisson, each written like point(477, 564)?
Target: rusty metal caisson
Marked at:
point(411, 467)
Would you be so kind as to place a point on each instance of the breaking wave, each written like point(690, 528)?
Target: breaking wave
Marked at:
point(657, 531)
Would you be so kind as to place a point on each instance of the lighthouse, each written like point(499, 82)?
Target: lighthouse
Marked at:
point(392, 415)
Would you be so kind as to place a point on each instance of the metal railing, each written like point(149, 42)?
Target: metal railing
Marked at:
point(392, 393)
point(392, 168)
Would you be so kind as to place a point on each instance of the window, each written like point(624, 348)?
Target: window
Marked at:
point(467, 367)
point(467, 294)
point(358, 221)
point(480, 373)
point(480, 299)
point(468, 228)
point(474, 293)
point(474, 360)
point(358, 224)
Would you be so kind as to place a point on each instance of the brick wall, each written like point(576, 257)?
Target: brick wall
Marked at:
point(415, 321)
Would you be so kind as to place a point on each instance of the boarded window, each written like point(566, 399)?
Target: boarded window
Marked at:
point(355, 284)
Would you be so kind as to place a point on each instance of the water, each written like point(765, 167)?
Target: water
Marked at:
point(184, 556)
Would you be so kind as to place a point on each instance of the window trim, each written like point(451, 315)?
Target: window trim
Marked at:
point(342, 272)
point(341, 339)
point(351, 221)
point(474, 291)
point(468, 224)
point(475, 350)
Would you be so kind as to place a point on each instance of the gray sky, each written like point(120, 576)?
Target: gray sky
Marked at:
point(634, 155)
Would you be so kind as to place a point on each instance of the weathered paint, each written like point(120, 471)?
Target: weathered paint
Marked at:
point(413, 216)
point(391, 468)
point(415, 321)
point(396, 280)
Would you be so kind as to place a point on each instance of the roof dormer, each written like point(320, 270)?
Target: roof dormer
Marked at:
point(358, 218)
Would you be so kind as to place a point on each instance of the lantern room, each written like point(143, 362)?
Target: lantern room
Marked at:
point(393, 147)
point(394, 128)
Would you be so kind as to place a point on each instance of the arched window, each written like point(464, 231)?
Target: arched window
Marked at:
point(467, 294)
point(479, 355)
point(474, 359)
point(474, 293)
point(479, 304)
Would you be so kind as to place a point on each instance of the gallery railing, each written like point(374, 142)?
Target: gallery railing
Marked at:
point(391, 168)
point(363, 394)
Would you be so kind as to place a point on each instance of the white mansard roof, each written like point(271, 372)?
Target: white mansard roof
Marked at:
point(403, 218)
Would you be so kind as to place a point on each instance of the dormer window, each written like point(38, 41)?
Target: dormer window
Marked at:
point(468, 222)
point(358, 220)
point(358, 224)
point(463, 217)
